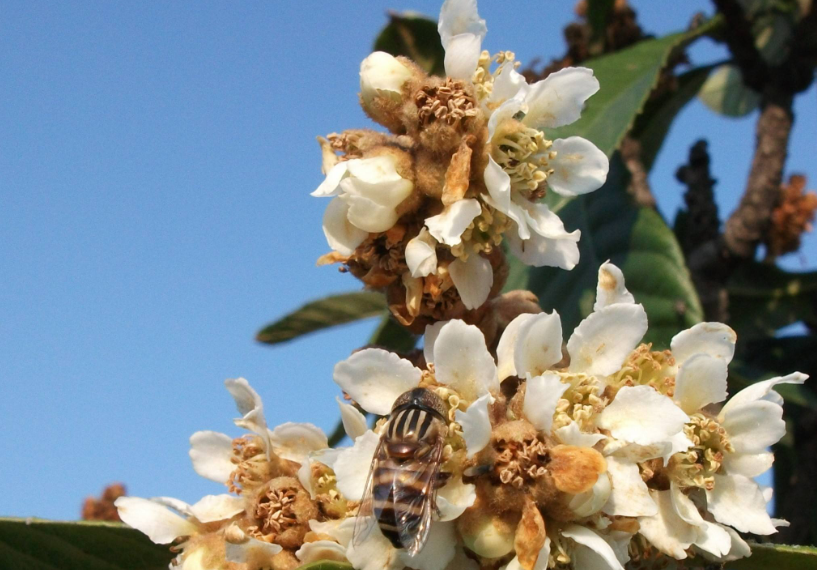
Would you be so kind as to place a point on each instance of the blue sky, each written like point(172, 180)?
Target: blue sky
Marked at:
point(156, 161)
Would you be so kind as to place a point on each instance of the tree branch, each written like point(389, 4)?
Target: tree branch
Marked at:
point(746, 228)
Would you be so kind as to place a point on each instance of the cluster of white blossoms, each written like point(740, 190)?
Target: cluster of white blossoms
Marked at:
point(595, 454)
point(420, 212)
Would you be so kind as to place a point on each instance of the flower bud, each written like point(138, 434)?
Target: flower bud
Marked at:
point(382, 77)
point(487, 536)
point(382, 74)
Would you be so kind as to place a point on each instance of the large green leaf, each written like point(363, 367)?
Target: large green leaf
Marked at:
point(764, 298)
point(626, 79)
point(637, 240)
point(777, 556)
point(322, 314)
point(415, 37)
point(33, 544)
point(653, 124)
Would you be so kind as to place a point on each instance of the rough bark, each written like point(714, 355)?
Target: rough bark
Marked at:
point(748, 224)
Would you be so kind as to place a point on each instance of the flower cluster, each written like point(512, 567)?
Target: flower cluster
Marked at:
point(420, 212)
point(590, 454)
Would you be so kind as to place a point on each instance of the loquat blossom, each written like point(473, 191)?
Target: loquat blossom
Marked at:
point(421, 212)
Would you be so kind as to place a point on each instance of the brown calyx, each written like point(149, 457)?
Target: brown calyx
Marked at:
point(282, 512)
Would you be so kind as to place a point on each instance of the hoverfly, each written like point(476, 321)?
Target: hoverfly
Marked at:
point(400, 490)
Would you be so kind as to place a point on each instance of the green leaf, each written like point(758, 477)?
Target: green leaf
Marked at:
point(626, 79)
point(780, 556)
point(653, 124)
point(764, 298)
point(725, 93)
point(326, 565)
point(322, 314)
point(415, 37)
point(638, 241)
point(35, 544)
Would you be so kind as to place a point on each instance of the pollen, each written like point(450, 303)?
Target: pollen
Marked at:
point(252, 467)
point(520, 456)
point(581, 403)
point(647, 367)
point(274, 511)
point(697, 466)
point(524, 154)
point(483, 234)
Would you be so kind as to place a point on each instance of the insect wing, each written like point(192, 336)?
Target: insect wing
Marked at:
point(365, 520)
point(414, 496)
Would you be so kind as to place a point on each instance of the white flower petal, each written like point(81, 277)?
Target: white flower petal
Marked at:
point(211, 508)
point(761, 390)
point(507, 344)
point(447, 227)
point(740, 549)
point(716, 339)
point(473, 280)
point(507, 84)
point(498, 183)
point(249, 550)
point(454, 498)
point(250, 407)
point(462, 361)
point(295, 441)
point(476, 427)
point(176, 504)
point(578, 168)
point(539, 344)
point(600, 556)
point(330, 186)
point(461, 32)
point(590, 502)
point(339, 529)
point(737, 501)
point(305, 477)
point(341, 235)
point(374, 378)
point(539, 251)
point(630, 496)
point(321, 550)
point(372, 206)
point(460, 17)
point(352, 465)
point(421, 254)
point(639, 414)
point(462, 56)
point(354, 423)
point(558, 99)
point(611, 289)
point(542, 393)
point(710, 537)
point(152, 519)
point(639, 453)
point(211, 453)
point(429, 338)
point(753, 426)
point(438, 550)
point(603, 340)
point(747, 464)
point(700, 381)
point(382, 74)
point(571, 434)
point(668, 532)
point(374, 552)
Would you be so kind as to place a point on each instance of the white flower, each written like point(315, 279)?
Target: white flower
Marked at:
point(366, 193)
point(521, 159)
point(212, 452)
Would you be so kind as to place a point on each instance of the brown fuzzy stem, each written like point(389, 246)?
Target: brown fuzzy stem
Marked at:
point(747, 226)
point(639, 187)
